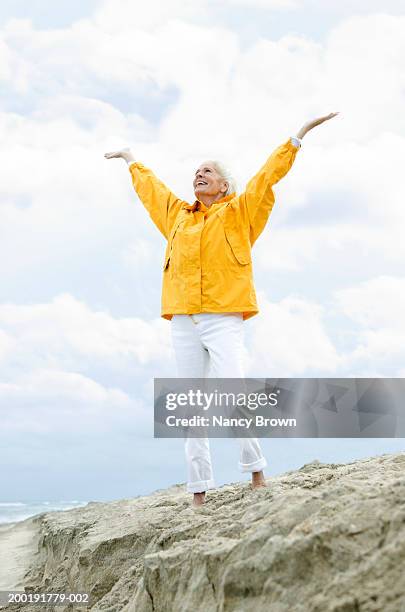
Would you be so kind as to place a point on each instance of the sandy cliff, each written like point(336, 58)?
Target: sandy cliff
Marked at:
point(322, 538)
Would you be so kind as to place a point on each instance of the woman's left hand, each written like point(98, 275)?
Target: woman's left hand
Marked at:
point(313, 123)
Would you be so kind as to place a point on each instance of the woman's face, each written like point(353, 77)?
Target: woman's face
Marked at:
point(207, 181)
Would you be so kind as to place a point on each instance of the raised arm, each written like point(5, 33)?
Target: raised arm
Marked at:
point(161, 204)
point(258, 198)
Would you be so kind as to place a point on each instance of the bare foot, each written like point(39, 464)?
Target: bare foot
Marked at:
point(258, 480)
point(199, 499)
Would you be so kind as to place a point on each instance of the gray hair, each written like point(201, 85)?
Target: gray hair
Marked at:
point(226, 174)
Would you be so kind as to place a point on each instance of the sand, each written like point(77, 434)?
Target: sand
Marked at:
point(322, 538)
point(18, 547)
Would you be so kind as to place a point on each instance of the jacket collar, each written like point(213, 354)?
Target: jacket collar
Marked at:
point(201, 206)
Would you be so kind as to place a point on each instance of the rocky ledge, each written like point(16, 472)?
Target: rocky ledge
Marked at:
point(323, 538)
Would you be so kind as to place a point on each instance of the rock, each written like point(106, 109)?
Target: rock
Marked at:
point(323, 538)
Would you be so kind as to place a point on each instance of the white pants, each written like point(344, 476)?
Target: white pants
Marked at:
point(211, 345)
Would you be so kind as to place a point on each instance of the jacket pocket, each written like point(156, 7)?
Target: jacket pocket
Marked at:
point(239, 248)
point(169, 246)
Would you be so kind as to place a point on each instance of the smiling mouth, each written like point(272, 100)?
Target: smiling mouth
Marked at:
point(200, 183)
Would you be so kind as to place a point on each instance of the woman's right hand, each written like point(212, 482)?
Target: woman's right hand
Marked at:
point(309, 125)
point(124, 153)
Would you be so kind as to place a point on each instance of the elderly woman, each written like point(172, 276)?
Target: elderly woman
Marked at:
point(208, 288)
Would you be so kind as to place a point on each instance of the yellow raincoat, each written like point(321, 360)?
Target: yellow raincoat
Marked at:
point(208, 265)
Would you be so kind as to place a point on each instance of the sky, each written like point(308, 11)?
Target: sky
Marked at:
point(81, 337)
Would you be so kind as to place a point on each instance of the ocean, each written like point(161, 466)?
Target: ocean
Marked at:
point(14, 511)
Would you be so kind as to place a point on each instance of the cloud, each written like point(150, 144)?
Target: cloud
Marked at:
point(141, 16)
point(377, 302)
point(264, 4)
point(6, 344)
point(57, 358)
point(376, 307)
point(4, 62)
point(53, 386)
point(66, 334)
point(290, 339)
point(50, 401)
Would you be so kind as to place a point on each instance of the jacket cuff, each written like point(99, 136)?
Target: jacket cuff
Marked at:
point(296, 141)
